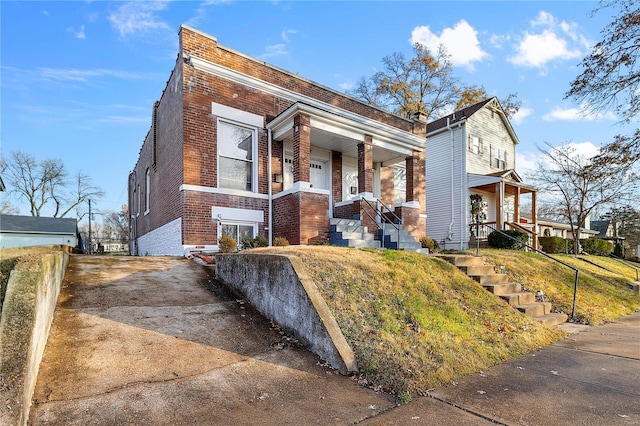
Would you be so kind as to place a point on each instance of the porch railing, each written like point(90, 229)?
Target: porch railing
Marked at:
point(576, 270)
point(381, 219)
point(533, 239)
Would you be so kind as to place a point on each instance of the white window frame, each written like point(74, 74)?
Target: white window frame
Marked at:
point(499, 159)
point(237, 223)
point(475, 145)
point(147, 193)
point(254, 153)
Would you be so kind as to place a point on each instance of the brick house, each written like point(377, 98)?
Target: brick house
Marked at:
point(242, 148)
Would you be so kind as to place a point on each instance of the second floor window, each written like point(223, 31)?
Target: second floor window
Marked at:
point(475, 145)
point(499, 159)
point(235, 156)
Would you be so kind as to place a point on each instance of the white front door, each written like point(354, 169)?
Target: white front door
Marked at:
point(318, 173)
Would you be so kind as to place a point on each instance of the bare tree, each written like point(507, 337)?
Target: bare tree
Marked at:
point(7, 208)
point(610, 77)
point(579, 185)
point(46, 183)
point(117, 224)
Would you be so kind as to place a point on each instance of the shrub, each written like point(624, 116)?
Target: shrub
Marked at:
point(596, 246)
point(500, 241)
point(258, 241)
point(430, 243)
point(321, 242)
point(227, 244)
point(280, 242)
point(617, 250)
point(554, 244)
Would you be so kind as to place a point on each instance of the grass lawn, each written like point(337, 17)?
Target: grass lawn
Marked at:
point(415, 322)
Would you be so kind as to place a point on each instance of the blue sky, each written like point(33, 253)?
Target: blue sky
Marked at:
point(79, 78)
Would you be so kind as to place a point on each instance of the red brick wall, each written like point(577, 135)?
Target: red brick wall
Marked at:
point(206, 47)
point(365, 165)
point(387, 189)
point(336, 176)
point(301, 148)
point(301, 217)
point(166, 177)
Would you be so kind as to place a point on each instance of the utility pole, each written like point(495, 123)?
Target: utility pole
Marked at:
point(90, 250)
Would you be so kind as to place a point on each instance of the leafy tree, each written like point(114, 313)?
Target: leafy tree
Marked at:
point(473, 94)
point(580, 185)
point(422, 84)
point(47, 183)
point(610, 77)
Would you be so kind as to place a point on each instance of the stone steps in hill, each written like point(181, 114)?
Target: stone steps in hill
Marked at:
point(500, 285)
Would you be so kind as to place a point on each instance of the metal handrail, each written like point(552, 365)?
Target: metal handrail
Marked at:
point(624, 262)
point(383, 219)
point(576, 270)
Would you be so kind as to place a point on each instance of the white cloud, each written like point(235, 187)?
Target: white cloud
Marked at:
point(274, 50)
point(528, 163)
point(133, 17)
point(72, 74)
point(79, 33)
point(285, 35)
point(576, 114)
point(548, 40)
point(461, 43)
point(522, 113)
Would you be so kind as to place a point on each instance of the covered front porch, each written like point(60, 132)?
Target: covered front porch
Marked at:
point(335, 164)
point(503, 192)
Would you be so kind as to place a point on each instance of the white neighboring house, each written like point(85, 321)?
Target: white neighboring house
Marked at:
point(25, 231)
point(472, 151)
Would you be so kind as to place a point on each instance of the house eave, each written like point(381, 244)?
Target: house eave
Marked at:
point(339, 116)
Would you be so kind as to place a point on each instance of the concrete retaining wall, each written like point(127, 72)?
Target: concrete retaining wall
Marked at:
point(27, 313)
point(279, 287)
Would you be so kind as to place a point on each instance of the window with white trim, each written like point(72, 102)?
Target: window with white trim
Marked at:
point(499, 159)
point(235, 156)
point(475, 145)
point(238, 231)
point(147, 189)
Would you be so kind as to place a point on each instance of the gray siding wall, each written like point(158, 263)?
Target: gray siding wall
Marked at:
point(494, 134)
point(447, 188)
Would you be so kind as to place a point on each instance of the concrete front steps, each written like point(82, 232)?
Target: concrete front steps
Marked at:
point(511, 292)
point(351, 233)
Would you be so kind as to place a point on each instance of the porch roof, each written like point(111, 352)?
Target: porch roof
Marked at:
point(509, 177)
point(336, 129)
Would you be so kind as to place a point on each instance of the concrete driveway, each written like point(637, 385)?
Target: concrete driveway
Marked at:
point(156, 341)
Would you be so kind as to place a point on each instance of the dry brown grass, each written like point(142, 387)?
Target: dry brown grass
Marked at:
point(416, 322)
point(602, 295)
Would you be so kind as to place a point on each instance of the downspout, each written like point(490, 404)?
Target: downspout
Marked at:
point(270, 138)
point(463, 186)
point(450, 234)
point(133, 238)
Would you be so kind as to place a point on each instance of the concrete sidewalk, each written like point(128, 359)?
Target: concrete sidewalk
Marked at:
point(141, 341)
point(592, 377)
